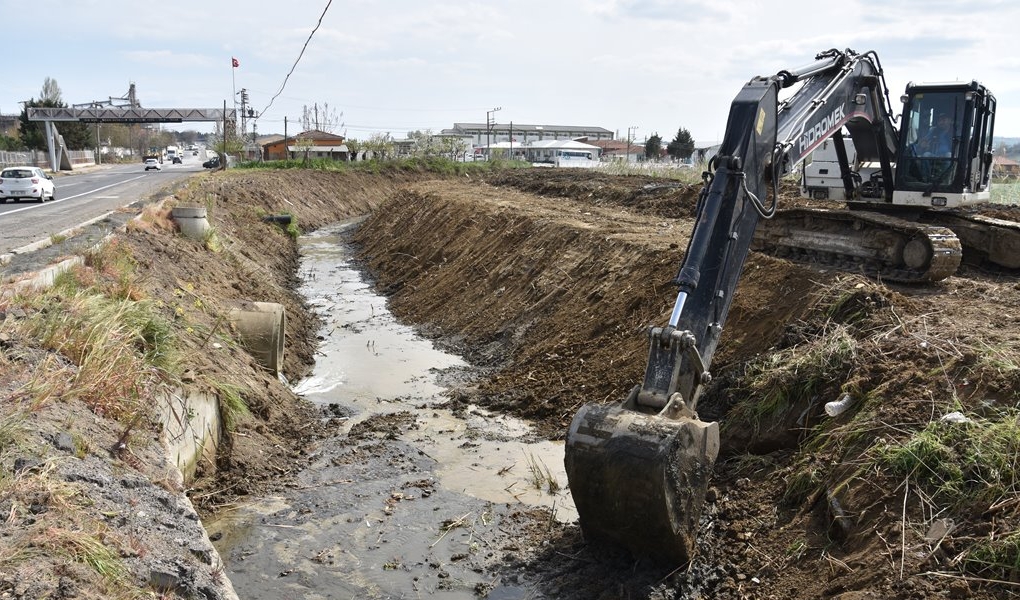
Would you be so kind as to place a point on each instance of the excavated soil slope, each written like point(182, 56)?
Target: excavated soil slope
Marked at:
point(548, 279)
point(555, 291)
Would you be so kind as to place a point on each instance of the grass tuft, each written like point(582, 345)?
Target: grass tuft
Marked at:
point(540, 476)
point(122, 348)
point(777, 381)
point(968, 465)
point(232, 406)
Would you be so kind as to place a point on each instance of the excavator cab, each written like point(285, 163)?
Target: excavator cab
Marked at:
point(945, 145)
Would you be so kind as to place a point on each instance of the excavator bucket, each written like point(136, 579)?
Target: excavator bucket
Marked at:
point(640, 480)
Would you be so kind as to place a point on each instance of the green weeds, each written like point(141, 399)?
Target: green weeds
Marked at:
point(967, 464)
point(231, 403)
point(777, 381)
point(122, 348)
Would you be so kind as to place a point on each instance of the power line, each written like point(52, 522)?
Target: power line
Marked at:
point(302, 53)
point(376, 107)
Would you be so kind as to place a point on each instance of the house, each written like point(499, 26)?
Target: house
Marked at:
point(311, 144)
point(1005, 167)
point(9, 125)
point(620, 150)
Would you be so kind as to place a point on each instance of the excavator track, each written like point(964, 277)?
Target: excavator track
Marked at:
point(875, 244)
point(987, 241)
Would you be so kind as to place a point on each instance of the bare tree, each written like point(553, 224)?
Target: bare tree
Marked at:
point(380, 144)
point(321, 118)
point(425, 144)
point(304, 145)
point(50, 92)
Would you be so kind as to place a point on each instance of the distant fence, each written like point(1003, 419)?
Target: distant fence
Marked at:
point(39, 158)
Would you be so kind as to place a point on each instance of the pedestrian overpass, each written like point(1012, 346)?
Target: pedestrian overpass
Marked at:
point(59, 159)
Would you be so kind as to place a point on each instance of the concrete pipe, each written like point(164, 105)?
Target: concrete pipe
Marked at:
point(192, 221)
point(261, 327)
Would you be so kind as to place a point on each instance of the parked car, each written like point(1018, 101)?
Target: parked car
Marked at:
point(212, 163)
point(152, 163)
point(26, 182)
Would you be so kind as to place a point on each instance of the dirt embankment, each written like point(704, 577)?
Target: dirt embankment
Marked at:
point(553, 293)
point(92, 508)
point(556, 292)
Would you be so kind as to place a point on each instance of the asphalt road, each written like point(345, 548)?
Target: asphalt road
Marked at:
point(85, 196)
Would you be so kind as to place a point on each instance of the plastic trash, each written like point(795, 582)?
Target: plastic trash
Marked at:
point(838, 407)
point(955, 417)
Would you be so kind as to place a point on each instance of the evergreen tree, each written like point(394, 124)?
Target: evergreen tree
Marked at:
point(33, 133)
point(653, 147)
point(10, 143)
point(682, 146)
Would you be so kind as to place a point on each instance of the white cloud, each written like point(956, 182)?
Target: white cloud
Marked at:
point(402, 65)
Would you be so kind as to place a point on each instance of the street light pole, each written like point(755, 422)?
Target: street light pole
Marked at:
point(629, 138)
point(489, 122)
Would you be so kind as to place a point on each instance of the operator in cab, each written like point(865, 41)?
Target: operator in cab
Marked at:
point(941, 137)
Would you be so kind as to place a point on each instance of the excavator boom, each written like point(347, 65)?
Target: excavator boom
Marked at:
point(639, 471)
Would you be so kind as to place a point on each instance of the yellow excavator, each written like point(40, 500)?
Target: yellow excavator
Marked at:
point(639, 470)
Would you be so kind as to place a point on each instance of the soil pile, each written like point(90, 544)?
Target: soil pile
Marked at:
point(548, 279)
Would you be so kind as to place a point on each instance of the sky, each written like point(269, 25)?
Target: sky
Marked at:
point(637, 67)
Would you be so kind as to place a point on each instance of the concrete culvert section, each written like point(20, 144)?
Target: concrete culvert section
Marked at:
point(262, 328)
point(193, 221)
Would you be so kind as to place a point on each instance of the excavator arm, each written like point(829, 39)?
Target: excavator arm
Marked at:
point(639, 471)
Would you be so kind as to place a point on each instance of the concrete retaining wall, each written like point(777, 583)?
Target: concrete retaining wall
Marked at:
point(191, 428)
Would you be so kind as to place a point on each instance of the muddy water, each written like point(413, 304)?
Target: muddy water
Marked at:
point(409, 499)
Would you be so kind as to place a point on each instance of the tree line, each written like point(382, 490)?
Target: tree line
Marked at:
point(679, 150)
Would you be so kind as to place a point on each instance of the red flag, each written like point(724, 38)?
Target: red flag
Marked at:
point(234, 62)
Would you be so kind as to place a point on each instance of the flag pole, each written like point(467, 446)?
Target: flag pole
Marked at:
point(233, 83)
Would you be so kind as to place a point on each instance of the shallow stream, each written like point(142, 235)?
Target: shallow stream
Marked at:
point(407, 510)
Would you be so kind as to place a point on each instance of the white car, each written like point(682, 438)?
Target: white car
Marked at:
point(26, 182)
point(152, 163)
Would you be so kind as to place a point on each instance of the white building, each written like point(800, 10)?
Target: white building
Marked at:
point(481, 136)
point(563, 153)
point(557, 153)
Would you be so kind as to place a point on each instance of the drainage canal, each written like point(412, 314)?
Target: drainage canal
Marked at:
point(409, 499)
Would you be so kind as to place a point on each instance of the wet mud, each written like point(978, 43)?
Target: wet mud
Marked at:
point(409, 497)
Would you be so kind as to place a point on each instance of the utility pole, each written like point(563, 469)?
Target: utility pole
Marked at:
point(244, 113)
point(223, 142)
point(629, 138)
point(489, 122)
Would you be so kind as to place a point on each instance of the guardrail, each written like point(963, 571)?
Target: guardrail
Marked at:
point(38, 158)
